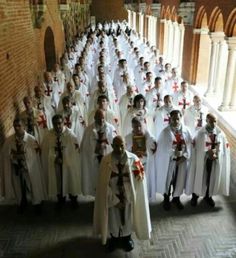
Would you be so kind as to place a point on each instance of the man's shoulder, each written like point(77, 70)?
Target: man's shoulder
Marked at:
point(131, 156)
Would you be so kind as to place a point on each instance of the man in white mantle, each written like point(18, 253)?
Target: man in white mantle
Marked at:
point(210, 167)
point(60, 155)
point(21, 168)
point(96, 143)
point(172, 160)
point(121, 203)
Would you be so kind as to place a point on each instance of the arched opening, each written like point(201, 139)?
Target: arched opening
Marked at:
point(216, 20)
point(230, 27)
point(49, 49)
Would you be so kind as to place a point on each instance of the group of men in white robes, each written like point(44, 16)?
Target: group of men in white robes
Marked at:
point(169, 143)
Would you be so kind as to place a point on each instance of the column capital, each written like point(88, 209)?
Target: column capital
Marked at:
point(202, 31)
point(162, 20)
point(217, 36)
point(175, 23)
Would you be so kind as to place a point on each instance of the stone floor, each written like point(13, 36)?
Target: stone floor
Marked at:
point(192, 233)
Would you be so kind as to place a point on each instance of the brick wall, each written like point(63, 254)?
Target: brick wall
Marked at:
point(108, 10)
point(22, 58)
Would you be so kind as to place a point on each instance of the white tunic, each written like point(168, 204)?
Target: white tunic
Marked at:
point(220, 173)
point(141, 223)
point(32, 175)
point(165, 161)
point(44, 104)
point(126, 102)
point(39, 122)
point(71, 183)
point(181, 100)
point(195, 119)
point(161, 119)
point(116, 225)
point(89, 159)
point(75, 122)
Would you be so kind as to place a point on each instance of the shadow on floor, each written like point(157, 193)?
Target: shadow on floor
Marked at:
point(157, 211)
point(80, 248)
point(83, 215)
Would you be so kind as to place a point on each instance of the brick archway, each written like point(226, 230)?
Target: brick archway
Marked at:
point(230, 27)
point(216, 22)
point(49, 49)
point(201, 18)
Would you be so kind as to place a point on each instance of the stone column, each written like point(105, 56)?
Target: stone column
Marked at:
point(129, 17)
point(229, 87)
point(134, 20)
point(181, 46)
point(170, 41)
point(150, 32)
point(232, 104)
point(175, 46)
point(216, 37)
point(148, 27)
point(141, 25)
point(221, 67)
point(139, 22)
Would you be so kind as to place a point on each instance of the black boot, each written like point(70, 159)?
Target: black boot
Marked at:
point(166, 202)
point(38, 209)
point(194, 200)
point(128, 243)
point(178, 203)
point(22, 207)
point(74, 202)
point(60, 201)
point(209, 201)
point(112, 243)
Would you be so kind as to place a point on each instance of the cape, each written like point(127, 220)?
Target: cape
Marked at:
point(140, 208)
point(220, 175)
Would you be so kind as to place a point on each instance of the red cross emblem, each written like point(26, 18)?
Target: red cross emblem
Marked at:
point(48, 91)
point(67, 121)
point(175, 87)
point(184, 103)
point(42, 122)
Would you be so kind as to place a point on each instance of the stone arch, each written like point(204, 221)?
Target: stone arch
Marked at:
point(216, 22)
point(49, 49)
point(230, 27)
point(201, 20)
